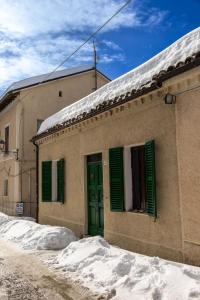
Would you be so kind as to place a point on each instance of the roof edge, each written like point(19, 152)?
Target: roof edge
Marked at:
point(158, 79)
point(45, 81)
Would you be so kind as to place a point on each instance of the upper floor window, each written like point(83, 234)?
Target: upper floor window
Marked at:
point(7, 133)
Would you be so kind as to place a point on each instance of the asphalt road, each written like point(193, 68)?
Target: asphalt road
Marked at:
point(24, 277)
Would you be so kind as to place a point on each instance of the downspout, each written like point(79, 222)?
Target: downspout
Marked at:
point(21, 147)
point(37, 180)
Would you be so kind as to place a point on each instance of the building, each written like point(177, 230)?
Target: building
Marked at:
point(124, 162)
point(23, 107)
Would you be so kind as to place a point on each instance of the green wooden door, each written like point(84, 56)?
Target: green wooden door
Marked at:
point(95, 198)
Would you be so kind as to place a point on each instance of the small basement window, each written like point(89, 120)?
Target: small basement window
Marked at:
point(60, 93)
point(6, 187)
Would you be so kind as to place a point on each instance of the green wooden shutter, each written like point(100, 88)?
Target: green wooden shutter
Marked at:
point(116, 179)
point(46, 181)
point(61, 180)
point(150, 178)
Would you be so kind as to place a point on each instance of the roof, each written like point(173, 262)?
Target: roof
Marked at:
point(32, 81)
point(182, 55)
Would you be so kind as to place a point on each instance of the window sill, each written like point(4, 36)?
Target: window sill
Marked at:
point(138, 213)
point(56, 202)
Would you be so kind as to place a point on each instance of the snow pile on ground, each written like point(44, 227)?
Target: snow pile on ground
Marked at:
point(4, 218)
point(30, 235)
point(25, 218)
point(125, 275)
point(142, 75)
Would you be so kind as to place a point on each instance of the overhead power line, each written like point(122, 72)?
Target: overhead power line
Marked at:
point(85, 42)
point(90, 37)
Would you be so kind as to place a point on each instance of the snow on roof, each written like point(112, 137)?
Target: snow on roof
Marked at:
point(45, 77)
point(135, 79)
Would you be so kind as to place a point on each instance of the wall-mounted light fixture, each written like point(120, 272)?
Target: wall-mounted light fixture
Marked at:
point(170, 99)
point(2, 149)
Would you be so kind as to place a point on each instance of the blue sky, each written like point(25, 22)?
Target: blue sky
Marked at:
point(35, 36)
point(141, 43)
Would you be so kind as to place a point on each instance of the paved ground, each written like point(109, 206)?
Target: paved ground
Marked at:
point(24, 277)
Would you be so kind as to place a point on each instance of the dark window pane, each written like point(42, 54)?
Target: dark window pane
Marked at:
point(7, 139)
point(94, 158)
point(6, 187)
point(142, 178)
point(138, 178)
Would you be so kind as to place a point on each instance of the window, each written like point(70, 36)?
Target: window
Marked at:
point(133, 179)
point(60, 94)
point(39, 123)
point(7, 139)
point(138, 178)
point(6, 187)
point(53, 181)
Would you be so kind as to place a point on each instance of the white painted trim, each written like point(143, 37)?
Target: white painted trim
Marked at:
point(93, 152)
point(7, 125)
point(134, 145)
point(128, 176)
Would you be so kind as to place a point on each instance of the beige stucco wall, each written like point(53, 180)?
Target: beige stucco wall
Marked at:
point(135, 125)
point(188, 141)
point(176, 233)
point(43, 101)
point(38, 102)
point(9, 167)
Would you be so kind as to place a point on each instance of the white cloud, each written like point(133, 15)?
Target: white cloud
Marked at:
point(111, 45)
point(35, 36)
point(30, 17)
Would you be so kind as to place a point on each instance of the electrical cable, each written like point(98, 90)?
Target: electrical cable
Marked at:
point(68, 58)
point(83, 44)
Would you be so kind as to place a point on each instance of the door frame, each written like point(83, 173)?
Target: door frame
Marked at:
point(86, 223)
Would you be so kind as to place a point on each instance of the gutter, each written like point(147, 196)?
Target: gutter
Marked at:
point(37, 181)
point(104, 107)
point(157, 81)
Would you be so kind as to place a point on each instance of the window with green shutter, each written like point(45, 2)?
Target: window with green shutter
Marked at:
point(138, 178)
point(150, 178)
point(46, 181)
point(116, 179)
point(61, 180)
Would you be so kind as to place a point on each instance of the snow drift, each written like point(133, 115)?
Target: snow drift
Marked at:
point(106, 270)
point(125, 275)
point(30, 235)
point(140, 76)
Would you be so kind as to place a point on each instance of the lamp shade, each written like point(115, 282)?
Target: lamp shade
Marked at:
point(169, 98)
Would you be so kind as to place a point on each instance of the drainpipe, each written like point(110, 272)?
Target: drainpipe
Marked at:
point(37, 180)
